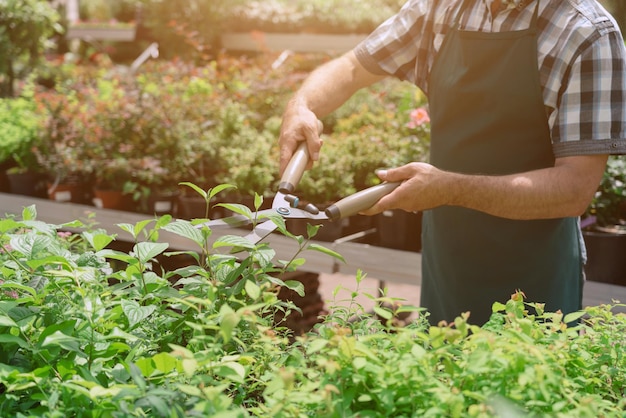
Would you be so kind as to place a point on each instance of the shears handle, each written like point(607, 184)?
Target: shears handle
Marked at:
point(295, 169)
point(359, 201)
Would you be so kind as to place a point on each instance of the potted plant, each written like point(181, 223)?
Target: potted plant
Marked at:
point(18, 134)
point(63, 126)
point(604, 226)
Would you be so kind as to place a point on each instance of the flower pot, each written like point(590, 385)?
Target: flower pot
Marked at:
point(27, 183)
point(162, 202)
point(194, 207)
point(606, 255)
point(399, 230)
point(113, 199)
point(5, 187)
point(73, 192)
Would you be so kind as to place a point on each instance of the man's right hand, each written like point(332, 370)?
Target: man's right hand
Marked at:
point(299, 124)
point(326, 88)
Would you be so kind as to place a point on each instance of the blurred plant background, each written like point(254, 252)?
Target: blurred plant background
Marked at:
point(197, 112)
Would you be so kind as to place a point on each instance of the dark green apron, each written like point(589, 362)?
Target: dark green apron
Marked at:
point(488, 117)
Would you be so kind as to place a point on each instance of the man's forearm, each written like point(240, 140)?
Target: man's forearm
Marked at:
point(561, 191)
point(564, 190)
point(330, 85)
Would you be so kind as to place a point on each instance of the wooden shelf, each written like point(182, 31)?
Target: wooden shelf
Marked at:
point(126, 33)
point(296, 42)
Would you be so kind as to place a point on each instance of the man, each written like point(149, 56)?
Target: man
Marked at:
point(527, 100)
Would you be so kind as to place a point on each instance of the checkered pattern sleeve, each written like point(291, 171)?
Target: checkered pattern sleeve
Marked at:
point(401, 43)
point(590, 117)
point(581, 58)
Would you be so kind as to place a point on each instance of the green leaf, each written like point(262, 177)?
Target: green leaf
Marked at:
point(41, 227)
point(228, 322)
point(122, 335)
point(163, 220)
point(29, 213)
point(12, 339)
point(232, 371)
point(573, 316)
point(238, 208)
point(252, 289)
point(190, 390)
point(316, 345)
point(66, 342)
point(383, 313)
point(165, 362)
point(233, 241)
point(293, 264)
point(6, 321)
point(130, 228)
point(146, 366)
point(296, 286)
point(185, 229)
point(53, 261)
point(7, 225)
point(138, 378)
point(98, 241)
point(146, 251)
point(327, 251)
point(140, 226)
point(117, 255)
point(311, 230)
point(197, 189)
point(17, 286)
point(264, 255)
point(31, 245)
point(498, 307)
point(136, 313)
point(258, 201)
point(220, 188)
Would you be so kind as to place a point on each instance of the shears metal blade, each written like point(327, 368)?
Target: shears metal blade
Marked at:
point(285, 206)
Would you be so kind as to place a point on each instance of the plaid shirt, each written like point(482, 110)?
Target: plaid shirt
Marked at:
point(582, 62)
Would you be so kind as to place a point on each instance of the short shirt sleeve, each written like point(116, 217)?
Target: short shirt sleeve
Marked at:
point(590, 117)
point(401, 44)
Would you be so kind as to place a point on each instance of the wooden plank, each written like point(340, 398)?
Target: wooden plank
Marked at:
point(297, 42)
point(380, 263)
point(101, 33)
point(598, 293)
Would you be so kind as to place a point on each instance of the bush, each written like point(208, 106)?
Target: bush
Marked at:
point(609, 201)
point(19, 123)
point(25, 30)
point(87, 331)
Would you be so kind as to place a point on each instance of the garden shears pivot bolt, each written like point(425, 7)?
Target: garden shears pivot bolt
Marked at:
point(289, 206)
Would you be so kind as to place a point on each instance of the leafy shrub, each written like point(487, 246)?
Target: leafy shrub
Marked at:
point(609, 202)
point(87, 331)
point(25, 30)
point(18, 130)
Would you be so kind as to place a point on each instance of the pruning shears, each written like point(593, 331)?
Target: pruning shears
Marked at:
point(287, 205)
